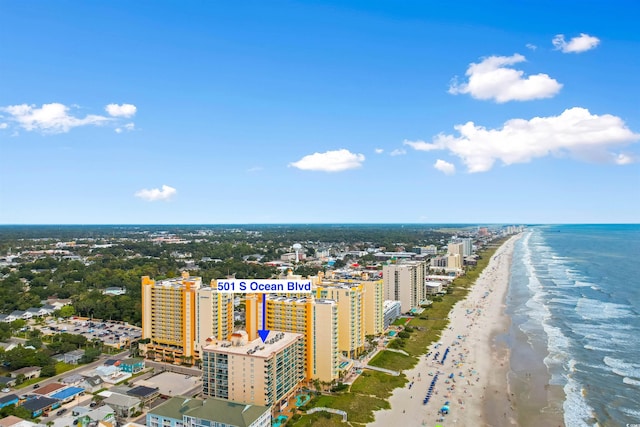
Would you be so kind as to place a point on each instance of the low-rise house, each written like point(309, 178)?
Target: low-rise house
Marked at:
point(13, 421)
point(123, 405)
point(37, 311)
point(19, 314)
point(28, 372)
point(104, 413)
point(145, 394)
point(49, 389)
point(114, 290)
point(432, 287)
point(74, 379)
point(92, 384)
point(132, 365)
point(182, 411)
point(7, 382)
point(9, 399)
point(40, 405)
point(73, 357)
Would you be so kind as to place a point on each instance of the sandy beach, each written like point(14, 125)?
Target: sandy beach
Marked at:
point(467, 367)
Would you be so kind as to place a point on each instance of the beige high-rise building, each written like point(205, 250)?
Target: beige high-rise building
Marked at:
point(253, 372)
point(454, 261)
point(169, 318)
point(456, 248)
point(404, 282)
point(214, 315)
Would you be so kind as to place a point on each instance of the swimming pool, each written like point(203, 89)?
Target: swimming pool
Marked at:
point(302, 399)
point(279, 421)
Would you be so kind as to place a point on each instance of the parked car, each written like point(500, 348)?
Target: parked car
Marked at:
point(6, 390)
point(61, 411)
point(36, 386)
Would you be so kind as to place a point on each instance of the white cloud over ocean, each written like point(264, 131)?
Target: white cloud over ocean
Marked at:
point(330, 161)
point(155, 194)
point(575, 132)
point(579, 44)
point(494, 79)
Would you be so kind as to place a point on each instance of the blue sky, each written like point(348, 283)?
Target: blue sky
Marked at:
point(319, 112)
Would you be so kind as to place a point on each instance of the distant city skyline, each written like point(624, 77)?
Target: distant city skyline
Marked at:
point(291, 112)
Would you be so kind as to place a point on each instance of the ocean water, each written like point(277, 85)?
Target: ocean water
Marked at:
point(575, 293)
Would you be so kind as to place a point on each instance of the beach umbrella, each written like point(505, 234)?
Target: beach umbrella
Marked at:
point(445, 408)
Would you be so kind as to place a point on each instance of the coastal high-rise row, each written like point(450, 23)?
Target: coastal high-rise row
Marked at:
point(404, 282)
point(169, 318)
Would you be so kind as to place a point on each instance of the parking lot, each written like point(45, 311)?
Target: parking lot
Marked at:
point(114, 334)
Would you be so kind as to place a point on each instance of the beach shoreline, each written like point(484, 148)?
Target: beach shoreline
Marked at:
point(468, 369)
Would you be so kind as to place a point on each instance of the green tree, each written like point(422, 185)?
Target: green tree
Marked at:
point(67, 311)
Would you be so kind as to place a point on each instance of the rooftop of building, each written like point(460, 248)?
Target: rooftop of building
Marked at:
point(49, 388)
point(218, 410)
point(38, 403)
point(239, 344)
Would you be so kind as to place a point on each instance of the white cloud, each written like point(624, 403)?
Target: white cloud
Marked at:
point(330, 161)
point(378, 150)
point(421, 145)
point(50, 118)
point(582, 43)
point(3, 125)
point(127, 127)
point(255, 169)
point(156, 194)
point(575, 132)
point(398, 152)
point(124, 110)
point(493, 79)
point(445, 167)
point(531, 46)
point(624, 159)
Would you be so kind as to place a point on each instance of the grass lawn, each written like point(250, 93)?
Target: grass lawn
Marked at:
point(378, 384)
point(392, 360)
point(400, 321)
point(359, 407)
point(62, 367)
point(318, 419)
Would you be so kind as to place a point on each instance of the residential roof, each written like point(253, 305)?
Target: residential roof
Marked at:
point(7, 380)
point(8, 398)
point(26, 370)
point(38, 403)
point(142, 391)
point(94, 380)
point(73, 378)
point(100, 413)
point(67, 392)
point(49, 388)
point(218, 410)
point(122, 400)
point(131, 361)
point(12, 421)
